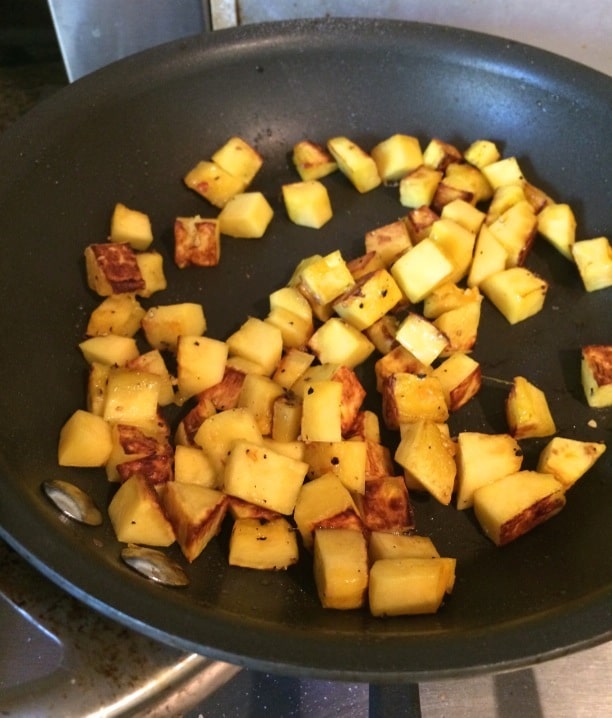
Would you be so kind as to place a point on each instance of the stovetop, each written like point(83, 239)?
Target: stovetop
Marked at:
point(60, 658)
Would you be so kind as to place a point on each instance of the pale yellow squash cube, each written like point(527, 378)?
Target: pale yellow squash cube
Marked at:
point(263, 477)
point(489, 257)
point(200, 363)
point(388, 241)
point(482, 153)
point(85, 440)
point(467, 180)
point(312, 161)
point(286, 418)
point(96, 387)
point(258, 395)
point(418, 188)
point(422, 452)
point(164, 324)
point(596, 374)
point(259, 342)
point(118, 314)
point(515, 230)
point(325, 278)
point(196, 514)
point(460, 326)
point(527, 411)
point(132, 397)
point(382, 544)
point(517, 503)
point(293, 365)
point(460, 377)
point(481, 459)
point(569, 459)
point(504, 197)
point(421, 338)
point(131, 226)
point(153, 363)
point(356, 164)
point(137, 515)
point(239, 158)
point(193, 466)
point(246, 215)
point(263, 545)
point(457, 243)
point(322, 411)
point(214, 183)
point(439, 154)
point(503, 172)
point(396, 156)
point(109, 349)
point(407, 586)
point(557, 224)
point(421, 269)
point(340, 568)
point(292, 300)
point(324, 502)
point(465, 214)
point(336, 342)
point(373, 296)
point(218, 433)
point(407, 398)
point(151, 266)
point(294, 329)
point(517, 293)
point(345, 459)
point(448, 296)
point(593, 258)
point(307, 203)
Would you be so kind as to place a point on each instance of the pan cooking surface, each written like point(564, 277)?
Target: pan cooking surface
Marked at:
point(128, 134)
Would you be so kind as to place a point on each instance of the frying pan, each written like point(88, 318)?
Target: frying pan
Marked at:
point(129, 133)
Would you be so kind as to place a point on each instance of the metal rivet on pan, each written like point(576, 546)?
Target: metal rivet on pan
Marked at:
point(154, 565)
point(72, 502)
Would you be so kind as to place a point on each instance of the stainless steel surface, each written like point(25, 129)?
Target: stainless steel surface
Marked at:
point(93, 33)
point(58, 658)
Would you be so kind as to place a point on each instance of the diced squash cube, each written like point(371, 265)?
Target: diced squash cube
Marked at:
point(322, 411)
point(489, 257)
point(193, 466)
point(214, 183)
point(460, 377)
point(151, 266)
point(503, 172)
point(132, 397)
point(397, 156)
point(263, 477)
point(200, 363)
point(465, 214)
point(259, 342)
point(312, 161)
point(325, 278)
point(439, 154)
point(515, 230)
point(557, 224)
point(356, 164)
point(96, 387)
point(336, 342)
point(258, 395)
point(421, 269)
point(119, 314)
point(482, 153)
point(196, 514)
point(388, 241)
point(365, 264)
point(596, 373)
point(457, 243)
point(482, 459)
point(131, 226)
point(517, 503)
point(516, 292)
point(164, 324)
point(340, 568)
point(593, 258)
point(373, 296)
point(344, 459)
point(569, 459)
point(113, 269)
point(407, 586)
point(419, 187)
point(197, 242)
point(218, 433)
point(460, 326)
point(286, 418)
point(85, 440)
point(407, 398)
point(384, 505)
point(263, 545)
point(109, 349)
point(238, 158)
point(137, 515)
point(421, 338)
point(153, 363)
point(292, 366)
point(246, 215)
point(527, 411)
point(423, 454)
point(307, 203)
point(382, 544)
